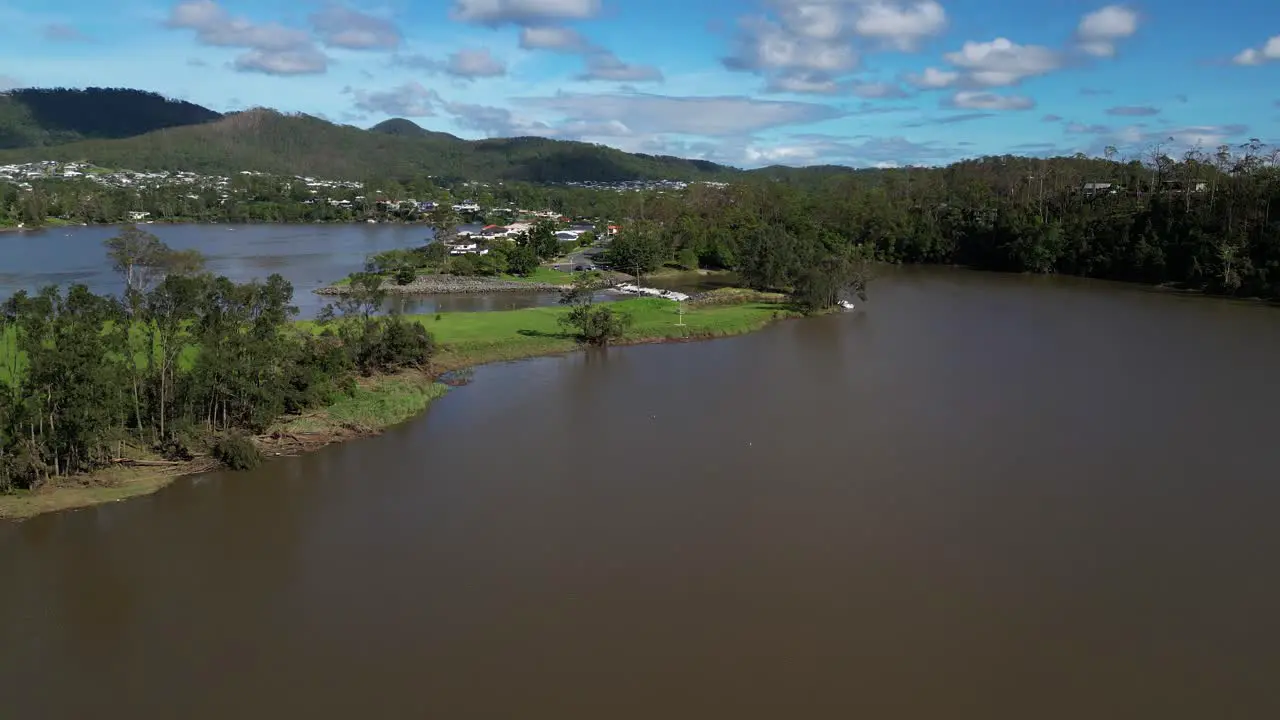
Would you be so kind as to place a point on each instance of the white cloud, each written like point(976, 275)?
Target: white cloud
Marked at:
point(470, 64)
point(767, 46)
point(604, 65)
point(815, 20)
point(933, 79)
point(877, 90)
point(307, 61)
point(806, 45)
point(901, 26)
point(9, 82)
point(1133, 111)
point(272, 48)
point(803, 83)
point(1003, 62)
point(558, 39)
point(343, 27)
point(495, 121)
point(1256, 56)
point(973, 100)
point(408, 100)
point(1099, 31)
point(662, 114)
point(523, 12)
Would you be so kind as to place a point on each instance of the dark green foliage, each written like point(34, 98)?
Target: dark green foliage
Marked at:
point(186, 357)
point(405, 275)
point(374, 344)
point(37, 117)
point(237, 451)
point(640, 248)
point(522, 260)
point(594, 324)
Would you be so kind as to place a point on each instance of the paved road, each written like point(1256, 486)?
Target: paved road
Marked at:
point(585, 257)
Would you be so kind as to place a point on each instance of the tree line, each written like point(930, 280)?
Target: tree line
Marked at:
point(1207, 222)
point(180, 363)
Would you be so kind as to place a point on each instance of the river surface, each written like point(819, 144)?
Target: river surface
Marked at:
point(309, 256)
point(977, 496)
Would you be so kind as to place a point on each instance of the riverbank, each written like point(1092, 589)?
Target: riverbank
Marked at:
point(465, 340)
point(443, 284)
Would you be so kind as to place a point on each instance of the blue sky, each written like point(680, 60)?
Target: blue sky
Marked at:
point(746, 82)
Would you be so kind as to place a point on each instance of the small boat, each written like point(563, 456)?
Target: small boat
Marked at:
point(845, 304)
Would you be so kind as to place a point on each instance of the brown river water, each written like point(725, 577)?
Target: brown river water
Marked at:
point(977, 496)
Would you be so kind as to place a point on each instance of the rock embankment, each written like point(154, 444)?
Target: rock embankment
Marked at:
point(445, 284)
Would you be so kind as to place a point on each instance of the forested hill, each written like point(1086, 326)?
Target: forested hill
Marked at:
point(37, 117)
point(269, 141)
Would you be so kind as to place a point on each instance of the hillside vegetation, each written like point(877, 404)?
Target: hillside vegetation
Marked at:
point(37, 117)
point(151, 133)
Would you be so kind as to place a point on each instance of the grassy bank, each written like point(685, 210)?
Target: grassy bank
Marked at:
point(465, 340)
point(546, 275)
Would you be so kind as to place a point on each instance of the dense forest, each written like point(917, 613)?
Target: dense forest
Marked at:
point(39, 117)
point(1210, 222)
point(179, 362)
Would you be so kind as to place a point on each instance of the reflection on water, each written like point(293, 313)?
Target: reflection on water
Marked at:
point(309, 256)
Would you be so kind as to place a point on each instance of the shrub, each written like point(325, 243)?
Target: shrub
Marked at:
point(237, 451)
point(405, 275)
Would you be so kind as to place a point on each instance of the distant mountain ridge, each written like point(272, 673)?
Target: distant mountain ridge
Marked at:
point(36, 117)
point(144, 131)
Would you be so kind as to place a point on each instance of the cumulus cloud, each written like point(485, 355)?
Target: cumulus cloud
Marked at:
point(272, 48)
point(901, 26)
point(803, 82)
point(1082, 129)
point(974, 100)
point(933, 79)
point(1133, 111)
point(523, 12)
point(61, 32)
point(307, 61)
point(663, 114)
point(496, 121)
point(465, 64)
point(1269, 51)
point(806, 45)
point(767, 46)
point(558, 39)
point(408, 100)
point(1003, 62)
point(470, 64)
point(342, 27)
point(604, 65)
point(876, 90)
point(1100, 31)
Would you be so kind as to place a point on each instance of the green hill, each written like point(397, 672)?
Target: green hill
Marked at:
point(268, 141)
point(39, 117)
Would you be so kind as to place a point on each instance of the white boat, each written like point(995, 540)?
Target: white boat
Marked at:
point(845, 304)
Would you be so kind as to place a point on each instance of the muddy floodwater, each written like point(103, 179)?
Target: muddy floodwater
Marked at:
point(977, 496)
